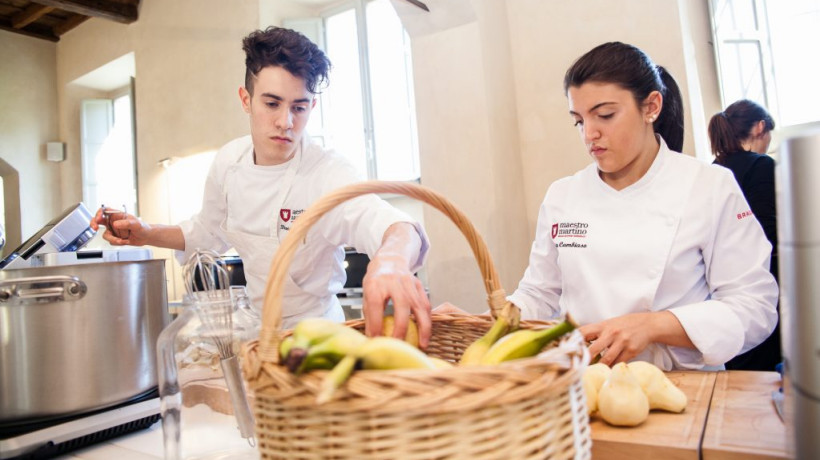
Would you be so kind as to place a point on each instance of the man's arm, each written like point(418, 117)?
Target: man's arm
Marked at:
point(129, 230)
point(389, 277)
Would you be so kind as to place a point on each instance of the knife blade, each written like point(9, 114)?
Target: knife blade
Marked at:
point(777, 399)
point(420, 5)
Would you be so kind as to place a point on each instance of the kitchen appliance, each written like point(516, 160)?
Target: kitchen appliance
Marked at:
point(67, 232)
point(798, 216)
point(78, 331)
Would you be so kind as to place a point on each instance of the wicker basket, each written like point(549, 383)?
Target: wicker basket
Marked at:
point(524, 409)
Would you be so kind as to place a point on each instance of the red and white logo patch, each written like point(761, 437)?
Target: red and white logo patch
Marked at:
point(284, 214)
point(554, 230)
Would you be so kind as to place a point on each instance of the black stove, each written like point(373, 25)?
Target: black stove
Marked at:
point(50, 437)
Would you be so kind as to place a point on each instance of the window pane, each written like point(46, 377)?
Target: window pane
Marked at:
point(795, 31)
point(392, 94)
point(742, 72)
point(343, 97)
point(739, 15)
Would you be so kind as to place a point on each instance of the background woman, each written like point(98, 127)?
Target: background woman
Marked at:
point(740, 137)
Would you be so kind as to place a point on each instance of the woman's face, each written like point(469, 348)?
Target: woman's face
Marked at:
point(616, 132)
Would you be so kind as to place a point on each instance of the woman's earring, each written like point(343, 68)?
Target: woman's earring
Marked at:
point(652, 119)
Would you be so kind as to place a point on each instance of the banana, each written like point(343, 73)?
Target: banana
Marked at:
point(377, 353)
point(473, 354)
point(525, 343)
point(440, 363)
point(411, 336)
point(385, 353)
point(309, 332)
point(344, 342)
point(335, 378)
point(284, 347)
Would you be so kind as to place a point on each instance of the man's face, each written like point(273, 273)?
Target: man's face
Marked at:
point(279, 110)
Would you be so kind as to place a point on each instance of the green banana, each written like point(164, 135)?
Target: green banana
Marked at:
point(473, 354)
point(335, 378)
point(309, 332)
point(331, 350)
point(525, 343)
point(284, 348)
point(376, 353)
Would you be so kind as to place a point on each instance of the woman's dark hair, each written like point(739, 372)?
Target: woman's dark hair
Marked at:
point(630, 68)
point(278, 47)
point(728, 129)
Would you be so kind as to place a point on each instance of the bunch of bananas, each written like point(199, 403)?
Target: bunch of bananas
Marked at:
point(503, 342)
point(317, 343)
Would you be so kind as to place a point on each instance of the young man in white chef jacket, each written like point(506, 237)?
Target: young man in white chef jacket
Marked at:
point(258, 185)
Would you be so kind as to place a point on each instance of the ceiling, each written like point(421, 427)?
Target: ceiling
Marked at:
point(49, 19)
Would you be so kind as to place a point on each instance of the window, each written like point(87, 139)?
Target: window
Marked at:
point(367, 113)
point(761, 51)
point(109, 166)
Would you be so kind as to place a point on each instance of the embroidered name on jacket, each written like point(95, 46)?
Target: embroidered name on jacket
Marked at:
point(288, 216)
point(573, 230)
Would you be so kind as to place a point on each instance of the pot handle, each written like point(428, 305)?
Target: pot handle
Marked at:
point(42, 289)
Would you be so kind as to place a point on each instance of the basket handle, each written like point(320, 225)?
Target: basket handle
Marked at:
point(272, 311)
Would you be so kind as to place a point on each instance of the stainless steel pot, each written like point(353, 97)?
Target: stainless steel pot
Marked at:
point(76, 338)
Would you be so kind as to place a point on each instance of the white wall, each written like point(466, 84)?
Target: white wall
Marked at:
point(28, 120)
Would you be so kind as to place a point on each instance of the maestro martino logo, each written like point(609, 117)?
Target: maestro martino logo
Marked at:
point(561, 230)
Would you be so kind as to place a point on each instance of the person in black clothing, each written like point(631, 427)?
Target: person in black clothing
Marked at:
point(740, 137)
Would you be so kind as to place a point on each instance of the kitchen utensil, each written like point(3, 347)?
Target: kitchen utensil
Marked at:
point(76, 338)
point(530, 408)
point(215, 310)
point(108, 213)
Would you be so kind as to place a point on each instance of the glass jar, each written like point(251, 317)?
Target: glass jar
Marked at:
point(204, 407)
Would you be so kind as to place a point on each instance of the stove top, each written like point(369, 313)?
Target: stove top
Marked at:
point(43, 439)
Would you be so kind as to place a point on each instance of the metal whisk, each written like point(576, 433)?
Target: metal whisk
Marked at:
point(212, 302)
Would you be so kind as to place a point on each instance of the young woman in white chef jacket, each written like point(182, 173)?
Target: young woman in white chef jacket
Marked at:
point(259, 184)
point(655, 253)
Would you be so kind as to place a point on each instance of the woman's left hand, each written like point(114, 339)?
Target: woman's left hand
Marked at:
point(625, 337)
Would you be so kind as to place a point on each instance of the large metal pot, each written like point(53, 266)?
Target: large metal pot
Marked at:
point(76, 338)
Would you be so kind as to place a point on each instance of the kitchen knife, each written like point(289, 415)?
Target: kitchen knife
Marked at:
point(420, 5)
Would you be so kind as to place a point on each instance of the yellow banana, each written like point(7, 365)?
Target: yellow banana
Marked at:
point(525, 343)
point(473, 354)
point(440, 363)
point(412, 334)
point(386, 353)
point(309, 332)
point(382, 353)
point(344, 342)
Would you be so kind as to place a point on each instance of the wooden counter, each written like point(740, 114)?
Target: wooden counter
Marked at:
point(663, 435)
point(743, 423)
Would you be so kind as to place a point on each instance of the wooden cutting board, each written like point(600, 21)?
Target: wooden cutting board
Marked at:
point(663, 435)
point(743, 422)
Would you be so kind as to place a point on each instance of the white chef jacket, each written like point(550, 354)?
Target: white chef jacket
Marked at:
point(682, 238)
point(237, 211)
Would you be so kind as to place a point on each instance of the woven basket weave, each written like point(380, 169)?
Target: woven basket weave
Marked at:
point(524, 409)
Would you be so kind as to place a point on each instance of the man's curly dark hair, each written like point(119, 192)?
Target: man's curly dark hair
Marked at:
point(279, 47)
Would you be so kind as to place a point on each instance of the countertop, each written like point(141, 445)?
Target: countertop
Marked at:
point(702, 431)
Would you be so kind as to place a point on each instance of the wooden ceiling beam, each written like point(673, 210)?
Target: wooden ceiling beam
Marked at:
point(33, 30)
point(125, 13)
point(71, 22)
point(29, 15)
